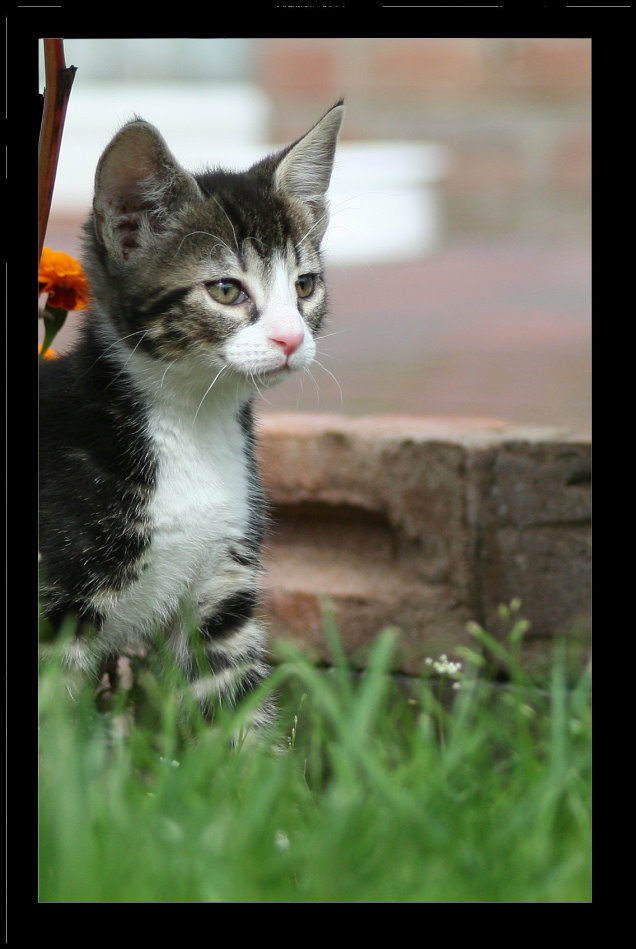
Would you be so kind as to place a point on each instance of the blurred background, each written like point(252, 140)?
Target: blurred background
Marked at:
point(459, 248)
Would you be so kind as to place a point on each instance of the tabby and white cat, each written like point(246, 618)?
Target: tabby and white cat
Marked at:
point(205, 289)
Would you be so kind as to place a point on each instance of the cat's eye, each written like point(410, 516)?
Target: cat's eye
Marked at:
point(226, 291)
point(305, 285)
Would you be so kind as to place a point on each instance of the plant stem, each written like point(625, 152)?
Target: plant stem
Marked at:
point(53, 322)
point(58, 82)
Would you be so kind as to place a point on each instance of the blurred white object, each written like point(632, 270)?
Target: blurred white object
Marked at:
point(384, 196)
point(384, 200)
point(194, 118)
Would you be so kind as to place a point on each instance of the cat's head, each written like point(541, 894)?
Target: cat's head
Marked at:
point(219, 271)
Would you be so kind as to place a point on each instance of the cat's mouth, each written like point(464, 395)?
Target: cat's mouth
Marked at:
point(275, 372)
point(269, 370)
point(282, 369)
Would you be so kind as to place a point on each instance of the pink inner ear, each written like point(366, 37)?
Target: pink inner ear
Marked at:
point(122, 184)
point(127, 228)
point(136, 158)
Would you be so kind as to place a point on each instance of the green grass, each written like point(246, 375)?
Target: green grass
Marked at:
point(374, 791)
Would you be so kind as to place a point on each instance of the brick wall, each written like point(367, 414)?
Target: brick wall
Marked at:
point(426, 524)
point(515, 113)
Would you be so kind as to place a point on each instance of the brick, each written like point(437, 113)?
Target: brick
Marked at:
point(422, 524)
point(497, 166)
point(548, 569)
point(552, 66)
point(538, 484)
point(421, 65)
point(536, 540)
point(297, 68)
point(572, 162)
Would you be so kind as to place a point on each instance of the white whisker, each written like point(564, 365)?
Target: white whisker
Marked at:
point(301, 388)
point(214, 237)
point(256, 386)
point(335, 333)
point(132, 353)
point(169, 366)
point(316, 386)
point(256, 240)
point(112, 346)
point(326, 335)
point(330, 373)
point(219, 373)
point(309, 230)
point(220, 206)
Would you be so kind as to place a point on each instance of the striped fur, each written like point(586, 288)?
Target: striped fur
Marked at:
point(205, 289)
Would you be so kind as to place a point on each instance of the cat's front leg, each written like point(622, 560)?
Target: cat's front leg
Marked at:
point(69, 639)
point(237, 661)
point(224, 658)
point(77, 662)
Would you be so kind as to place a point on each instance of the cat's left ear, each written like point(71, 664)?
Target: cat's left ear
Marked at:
point(138, 187)
point(305, 167)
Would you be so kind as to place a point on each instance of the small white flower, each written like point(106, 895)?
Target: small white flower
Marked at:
point(444, 666)
point(281, 840)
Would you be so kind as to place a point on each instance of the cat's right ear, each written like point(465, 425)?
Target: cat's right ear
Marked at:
point(304, 168)
point(138, 186)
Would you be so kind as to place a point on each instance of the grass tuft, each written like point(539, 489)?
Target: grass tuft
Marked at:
point(371, 790)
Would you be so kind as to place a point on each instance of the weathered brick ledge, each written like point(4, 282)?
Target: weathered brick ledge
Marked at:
point(425, 524)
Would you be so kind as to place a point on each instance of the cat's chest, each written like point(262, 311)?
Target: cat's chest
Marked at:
point(198, 508)
point(201, 485)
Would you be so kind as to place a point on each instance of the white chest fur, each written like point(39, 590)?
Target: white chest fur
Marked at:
point(198, 509)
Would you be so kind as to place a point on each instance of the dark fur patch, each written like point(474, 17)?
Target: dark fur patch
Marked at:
point(96, 473)
point(230, 615)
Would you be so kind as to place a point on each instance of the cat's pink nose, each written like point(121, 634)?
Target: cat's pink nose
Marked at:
point(289, 341)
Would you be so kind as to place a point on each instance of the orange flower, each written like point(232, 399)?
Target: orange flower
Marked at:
point(49, 354)
point(63, 278)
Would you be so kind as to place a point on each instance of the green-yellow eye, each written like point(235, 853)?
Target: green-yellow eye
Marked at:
point(226, 291)
point(305, 285)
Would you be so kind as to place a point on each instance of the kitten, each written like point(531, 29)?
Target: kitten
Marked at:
point(206, 288)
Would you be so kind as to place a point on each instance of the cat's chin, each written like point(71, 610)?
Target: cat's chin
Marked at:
point(266, 376)
point(272, 377)
point(244, 382)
